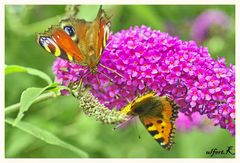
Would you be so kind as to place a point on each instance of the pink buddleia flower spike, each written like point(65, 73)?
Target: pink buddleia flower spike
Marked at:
point(195, 121)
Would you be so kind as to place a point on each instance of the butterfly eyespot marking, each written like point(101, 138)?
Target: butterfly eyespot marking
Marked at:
point(69, 30)
point(43, 41)
point(49, 45)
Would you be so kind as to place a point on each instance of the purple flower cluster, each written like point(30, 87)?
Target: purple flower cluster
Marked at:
point(208, 19)
point(150, 60)
point(187, 123)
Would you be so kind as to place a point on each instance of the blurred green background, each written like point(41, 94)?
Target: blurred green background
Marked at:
point(62, 117)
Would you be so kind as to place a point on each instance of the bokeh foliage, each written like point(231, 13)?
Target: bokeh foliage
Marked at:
point(62, 116)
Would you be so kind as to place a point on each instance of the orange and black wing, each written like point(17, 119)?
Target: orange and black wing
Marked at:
point(104, 27)
point(58, 42)
point(161, 125)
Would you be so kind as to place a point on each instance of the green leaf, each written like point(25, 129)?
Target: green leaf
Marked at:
point(53, 90)
point(17, 143)
point(52, 86)
point(27, 98)
point(46, 136)
point(9, 69)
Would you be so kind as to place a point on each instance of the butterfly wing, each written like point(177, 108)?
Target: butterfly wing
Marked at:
point(141, 105)
point(77, 40)
point(103, 31)
point(158, 114)
point(161, 125)
point(57, 42)
point(96, 36)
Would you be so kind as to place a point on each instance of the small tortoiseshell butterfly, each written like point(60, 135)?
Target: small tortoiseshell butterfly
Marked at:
point(158, 115)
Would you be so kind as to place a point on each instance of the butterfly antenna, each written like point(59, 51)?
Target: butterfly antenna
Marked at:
point(108, 68)
point(123, 123)
point(108, 42)
point(137, 94)
point(106, 76)
point(127, 99)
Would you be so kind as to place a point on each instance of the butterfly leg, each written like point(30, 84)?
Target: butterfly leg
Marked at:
point(78, 87)
point(106, 76)
point(99, 83)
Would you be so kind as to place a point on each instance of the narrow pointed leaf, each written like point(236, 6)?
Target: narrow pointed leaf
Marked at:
point(46, 136)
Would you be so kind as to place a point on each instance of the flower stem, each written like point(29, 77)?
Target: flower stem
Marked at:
point(43, 97)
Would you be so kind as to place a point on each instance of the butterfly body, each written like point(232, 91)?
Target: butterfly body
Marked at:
point(157, 114)
point(78, 40)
